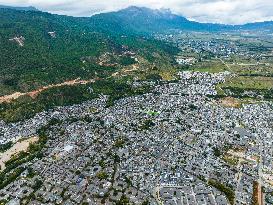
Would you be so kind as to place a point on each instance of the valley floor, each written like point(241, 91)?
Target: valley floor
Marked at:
point(173, 145)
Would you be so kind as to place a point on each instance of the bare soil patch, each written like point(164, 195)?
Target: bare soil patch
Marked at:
point(230, 102)
point(15, 149)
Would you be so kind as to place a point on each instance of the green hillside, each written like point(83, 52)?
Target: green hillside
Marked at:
point(38, 49)
point(72, 51)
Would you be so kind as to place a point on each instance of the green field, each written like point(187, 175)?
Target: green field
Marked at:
point(249, 83)
point(247, 87)
point(211, 66)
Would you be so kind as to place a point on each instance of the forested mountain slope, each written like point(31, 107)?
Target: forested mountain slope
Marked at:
point(147, 21)
point(39, 48)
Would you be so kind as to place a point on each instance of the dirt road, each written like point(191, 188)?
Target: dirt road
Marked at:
point(34, 93)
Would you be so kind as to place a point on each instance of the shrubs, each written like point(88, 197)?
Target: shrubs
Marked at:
point(102, 175)
point(26, 107)
point(6, 146)
point(37, 185)
point(127, 60)
point(119, 143)
point(255, 197)
point(216, 152)
point(154, 77)
point(13, 166)
point(123, 201)
point(6, 179)
point(147, 124)
point(223, 188)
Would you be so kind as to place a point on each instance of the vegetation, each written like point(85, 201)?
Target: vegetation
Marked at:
point(3, 202)
point(37, 185)
point(26, 107)
point(146, 202)
point(247, 86)
point(73, 52)
point(154, 77)
point(13, 166)
point(123, 201)
point(119, 143)
point(231, 160)
point(153, 113)
point(217, 152)
point(102, 175)
point(229, 192)
point(255, 199)
point(211, 66)
point(127, 61)
point(6, 146)
point(147, 124)
point(43, 59)
point(249, 82)
point(192, 107)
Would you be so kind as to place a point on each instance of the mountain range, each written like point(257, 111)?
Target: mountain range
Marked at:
point(38, 48)
point(146, 20)
point(28, 8)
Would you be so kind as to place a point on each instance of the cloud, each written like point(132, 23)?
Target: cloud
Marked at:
point(220, 11)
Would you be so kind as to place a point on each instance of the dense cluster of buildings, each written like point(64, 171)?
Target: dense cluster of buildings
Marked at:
point(199, 45)
point(163, 147)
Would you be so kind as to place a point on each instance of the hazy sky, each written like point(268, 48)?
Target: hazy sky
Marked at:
point(223, 11)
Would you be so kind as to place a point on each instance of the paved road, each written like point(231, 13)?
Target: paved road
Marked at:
point(260, 173)
point(238, 177)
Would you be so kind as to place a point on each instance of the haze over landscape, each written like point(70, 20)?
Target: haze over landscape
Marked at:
point(136, 102)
